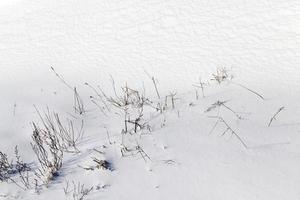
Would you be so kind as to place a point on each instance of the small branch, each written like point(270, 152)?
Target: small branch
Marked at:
point(218, 104)
point(200, 85)
point(154, 83)
point(215, 105)
point(228, 128)
point(155, 86)
point(259, 95)
point(61, 79)
point(274, 116)
point(102, 97)
point(78, 103)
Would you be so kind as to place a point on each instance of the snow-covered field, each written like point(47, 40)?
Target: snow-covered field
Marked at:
point(180, 152)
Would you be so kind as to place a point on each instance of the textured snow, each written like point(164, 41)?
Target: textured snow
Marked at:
point(177, 42)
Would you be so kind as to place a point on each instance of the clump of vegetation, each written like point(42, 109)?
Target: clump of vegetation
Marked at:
point(47, 148)
point(53, 137)
point(79, 191)
point(131, 107)
point(9, 170)
point(6, 167)
point(65, 133)
point(51, 141)
point(221, 75)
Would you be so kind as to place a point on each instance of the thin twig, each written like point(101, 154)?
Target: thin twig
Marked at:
point(259, 95)
point(155, 85)
point(274, 116)
point(228, 128)
point(61, 79)
point(200, 85)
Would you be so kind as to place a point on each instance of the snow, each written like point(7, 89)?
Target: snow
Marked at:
point(176, 42)
point(6, 3)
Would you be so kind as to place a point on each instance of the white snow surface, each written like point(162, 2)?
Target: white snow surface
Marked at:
point(176, 41)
